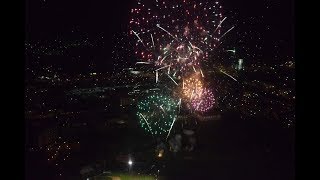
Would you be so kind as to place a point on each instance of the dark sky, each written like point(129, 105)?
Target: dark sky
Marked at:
point(47, 19)
point(51, 17)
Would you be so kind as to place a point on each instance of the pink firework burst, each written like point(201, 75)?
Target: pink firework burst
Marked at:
point(204, 102)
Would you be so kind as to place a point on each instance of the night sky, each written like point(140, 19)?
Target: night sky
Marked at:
point(86, 68)
point(49, 20)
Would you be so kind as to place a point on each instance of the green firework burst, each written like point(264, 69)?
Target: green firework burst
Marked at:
point(157, 113)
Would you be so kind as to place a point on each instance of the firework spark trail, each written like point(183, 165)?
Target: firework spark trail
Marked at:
point(172, 79)
point(224, 98)
point(146, 122)
point(162, 67)
point(219, 25)
point(194, 69)
point(226, 33)
point(182, 83)
point(163, 59)
point(179, 103)
point(158, 25)
point(143, 63)
point(198, 48)
point(219, 43)
point(138, 37)
point(174, 73)
point(152, 41)
point(195, 47)
point(174, 120)
point(153, 89)
point(232, 50)
point(162, 109)
point(157, 76)
point(201, 73)
point(191, 44)
point(229, 75)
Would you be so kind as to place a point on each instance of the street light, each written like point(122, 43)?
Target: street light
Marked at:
point(130, 164)
point(160, 153)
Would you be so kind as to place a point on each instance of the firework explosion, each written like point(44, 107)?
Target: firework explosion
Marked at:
point(157, 113)
point(176, 35)
point(205, 102)
point(192, 87)
point(196, 95)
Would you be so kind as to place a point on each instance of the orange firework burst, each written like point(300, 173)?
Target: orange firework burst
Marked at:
point(192, 87)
